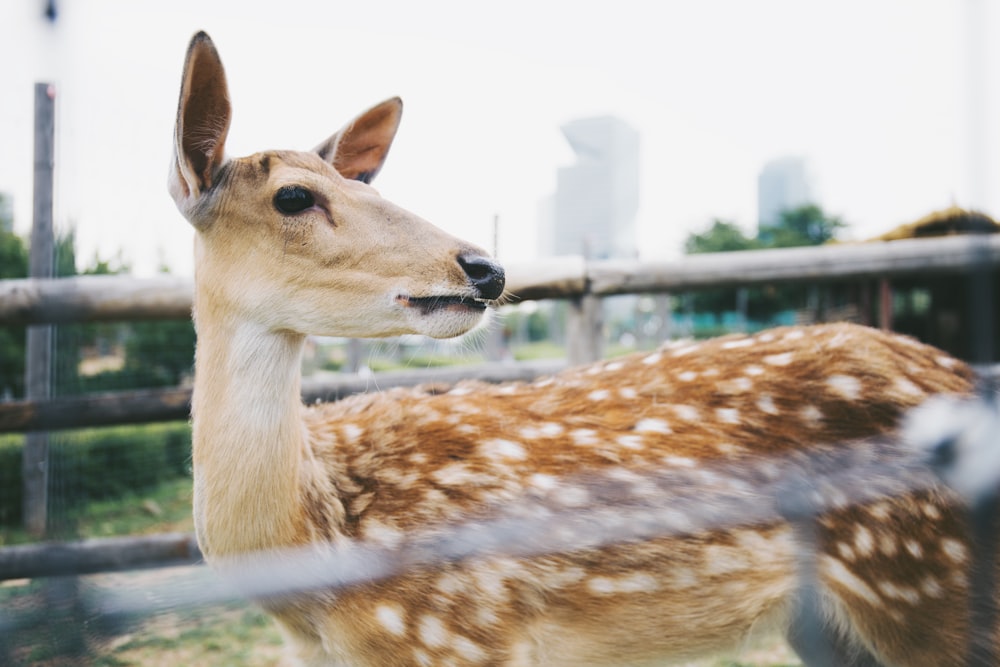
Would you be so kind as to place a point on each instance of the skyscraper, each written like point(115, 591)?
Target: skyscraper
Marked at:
point(596, 199)
point(783, 184)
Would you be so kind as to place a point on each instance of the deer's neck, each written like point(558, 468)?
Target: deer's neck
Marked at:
point(248, 437)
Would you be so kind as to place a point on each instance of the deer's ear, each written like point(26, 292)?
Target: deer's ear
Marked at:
point(358, 150)
point(203, 116)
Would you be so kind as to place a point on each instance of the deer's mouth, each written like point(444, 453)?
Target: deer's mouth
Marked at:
point(432, 304)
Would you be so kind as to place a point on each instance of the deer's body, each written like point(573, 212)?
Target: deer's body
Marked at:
point(289, 245)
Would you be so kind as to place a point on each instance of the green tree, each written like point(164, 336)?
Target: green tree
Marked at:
point(803, 226)
point(722, 236)
point(13, 264)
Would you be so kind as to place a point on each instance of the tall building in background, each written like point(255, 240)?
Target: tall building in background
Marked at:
point(782, 184)
point(593, 210)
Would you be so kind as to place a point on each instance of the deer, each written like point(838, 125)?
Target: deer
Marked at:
point(290, 244)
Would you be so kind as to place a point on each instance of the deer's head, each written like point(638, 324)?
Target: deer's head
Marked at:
point(300, 242)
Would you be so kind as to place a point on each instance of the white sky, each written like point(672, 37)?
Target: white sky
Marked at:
point(874, 93)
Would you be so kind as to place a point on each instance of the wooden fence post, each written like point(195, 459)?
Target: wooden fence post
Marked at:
point(38, 364)
point(585, 330)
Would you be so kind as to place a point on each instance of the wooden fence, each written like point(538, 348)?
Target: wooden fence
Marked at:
point(124, 298)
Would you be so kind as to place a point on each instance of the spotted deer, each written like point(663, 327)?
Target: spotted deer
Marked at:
point(290, 244)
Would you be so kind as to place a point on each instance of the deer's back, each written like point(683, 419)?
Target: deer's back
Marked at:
point(721, 414)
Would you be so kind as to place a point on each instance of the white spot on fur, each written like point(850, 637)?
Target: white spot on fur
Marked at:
point(679, 461)
point(794, 334)
point(529, 432)
point(931, 511)
point(352, 433)
point(954, 550)
point(845, 551)
point(687, 376)
point(584, 437)
point(391, 618)
point(894, 592)
point(686, 412)
point(468, 649)
point(652, 425)
point(599, 395)
point(631, 441)
point(847, 386)
point(782, 359)
point(615, 366)
point(460, 391)
point(551, 429)
point(680, 352)
point(753, 370)
point(836, 570)
point(811, 414)
point(454, 474)
point(766, 404)
point(728, 415)
point(887, 544)
point(931, 587)
point(544, 482)
point(498, 448)
point(652, 359)
point(381, 534)
point(863, 541)
point(736, 385)
point(766, 337)
point(880, 511)
point(432, 631)
point(914, 548)
point(944, 361)
point(638, 582)
point(907, 387)
point(742, 342)
point(627, 393)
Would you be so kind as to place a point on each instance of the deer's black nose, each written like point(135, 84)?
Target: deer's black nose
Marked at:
point(485, 275)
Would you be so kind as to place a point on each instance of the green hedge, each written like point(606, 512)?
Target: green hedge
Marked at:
point(98, 464)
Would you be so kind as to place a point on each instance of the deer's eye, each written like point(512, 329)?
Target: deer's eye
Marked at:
point(293, 199)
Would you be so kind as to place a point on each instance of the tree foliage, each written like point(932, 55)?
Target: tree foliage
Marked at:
point(13, 264)
point(722, 236)
point(803, 226)
point(155, 353)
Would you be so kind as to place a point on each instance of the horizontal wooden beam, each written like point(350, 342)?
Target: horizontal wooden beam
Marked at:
point(111, 298)
point(814, 264)
point(109, 554)
point(157, 405)
point(94, 299)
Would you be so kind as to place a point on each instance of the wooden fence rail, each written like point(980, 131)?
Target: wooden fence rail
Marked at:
point(109, 298)
point(153, 405)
